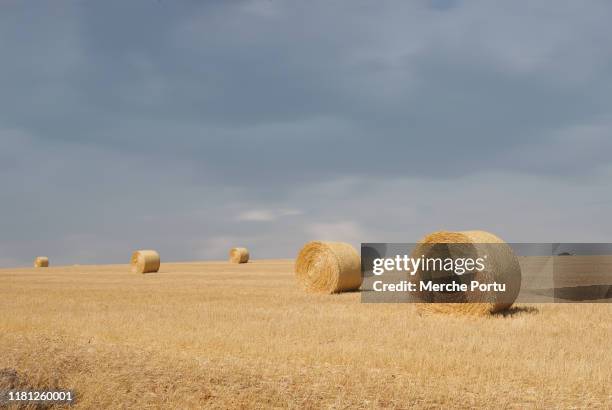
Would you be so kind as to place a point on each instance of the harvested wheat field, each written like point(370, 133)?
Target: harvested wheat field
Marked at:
point(220, 335)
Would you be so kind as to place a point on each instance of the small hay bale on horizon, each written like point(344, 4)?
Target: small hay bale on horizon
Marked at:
point(145, 261)
point(239, 255)
point(328, 267)
point(41, 262)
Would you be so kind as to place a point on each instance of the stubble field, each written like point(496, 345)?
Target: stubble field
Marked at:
point(246, 336)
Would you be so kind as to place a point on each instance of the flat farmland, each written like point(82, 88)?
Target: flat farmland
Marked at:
point(219, 335)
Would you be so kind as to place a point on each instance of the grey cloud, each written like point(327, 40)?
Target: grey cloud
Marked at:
point(159, 123)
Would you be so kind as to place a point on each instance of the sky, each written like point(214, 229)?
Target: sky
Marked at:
point(191, 127)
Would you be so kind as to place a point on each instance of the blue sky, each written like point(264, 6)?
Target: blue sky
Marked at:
point(191, 127)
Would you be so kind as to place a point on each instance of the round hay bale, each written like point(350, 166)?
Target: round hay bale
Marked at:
point(41, 262)
point(328, 267)
point(145, 261)
point(501, 266)
point(239, 255)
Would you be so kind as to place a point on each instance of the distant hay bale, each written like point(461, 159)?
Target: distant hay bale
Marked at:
point(239, 255)
point(328, 267)
point(501, 266)
point(41, 262)
point(145, 261)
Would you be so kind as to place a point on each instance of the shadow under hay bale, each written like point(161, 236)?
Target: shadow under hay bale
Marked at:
point(518, 310)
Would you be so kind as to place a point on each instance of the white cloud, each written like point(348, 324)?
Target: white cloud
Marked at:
point(257, 215)
point(345, 231)
point(266, 215)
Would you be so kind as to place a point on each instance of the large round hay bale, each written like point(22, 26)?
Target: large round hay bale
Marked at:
point(501, 266)
point(145, 261)
point(239, 255)
point(41, 262)
point(328, 267)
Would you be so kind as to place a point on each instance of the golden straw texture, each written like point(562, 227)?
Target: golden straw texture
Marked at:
point(41, 262)
point(328, 267)
point(501, 266)
point(145, 261)
point(239, 255)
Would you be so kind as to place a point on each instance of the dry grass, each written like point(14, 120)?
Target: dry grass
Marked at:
point(217, 335)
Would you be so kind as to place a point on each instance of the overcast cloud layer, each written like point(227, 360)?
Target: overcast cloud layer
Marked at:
point(190, 127)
